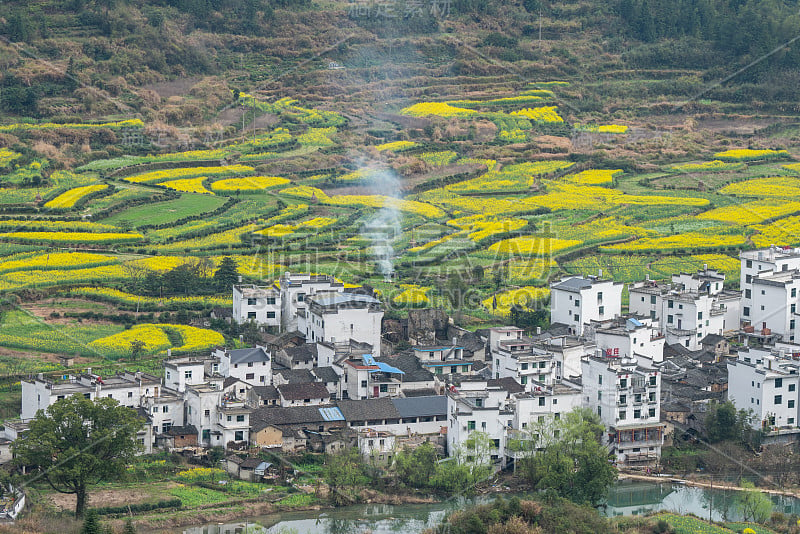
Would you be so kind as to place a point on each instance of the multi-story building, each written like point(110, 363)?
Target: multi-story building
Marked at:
point(261, 304)
point(627, 398)
point(628, 336)
point(443, 359)
point(129, 389)
point(339, 317)
point(295, 288)
point(520, 359)
point(689, 308)
point(575, 301)
point(253, 366)
point(774, 303)
point(763, 261)
point(165, 409)
point(367, 378)
point(545, 402)
point(187, 371)
point(766, 382)
point(476, 407)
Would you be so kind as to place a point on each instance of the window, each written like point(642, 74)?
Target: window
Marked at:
point(168, 375)
point(155, 409)
point(623, 383)
point(637, 397)
point(229, 418)
point(270, 315)
point(793, 308)
point(110, 396)
point(746, 311)
point(251, 302)
point(577, 303)
point(778, 399)
point(523, 380)
point(670, 319)
point(623, 399)
point(479, 403)
point(791, 324)
point(600, 379)
point(249, 376)
point(207, 413)
point(130, 395)
point(384, 388)
point(749, 263)
point(792, 387)
point(524, 366)
point(165, 409)
point(483, 426)
point(470, 425)
point(249, 364)
point(576, 317)
point(363, 383)
point(270, 300)
point(301, 297)
point(599, 411)
point(541, 401)
point(651, 412)
point(652, 396)
point(240, 418)
point(599, 296)
point(794, 292)
point(670, 304)
point(790, 420)
point(748, 279)
point(187, 375)
point(653, 380)
point(747, 294)
point(790, 403)
point(602, 310)
point(622, 414)
point(599, 395)
point(465, 368)
point(700, 315)
point(652, 299)
point(637, 414)
point(779, 382)
point(238, 435)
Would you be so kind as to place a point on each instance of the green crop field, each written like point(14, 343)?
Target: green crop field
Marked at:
point(188, 205)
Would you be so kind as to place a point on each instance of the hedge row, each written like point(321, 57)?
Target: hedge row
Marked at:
point(139, 507)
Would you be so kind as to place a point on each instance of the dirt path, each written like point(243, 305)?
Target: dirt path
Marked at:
point(116, 497)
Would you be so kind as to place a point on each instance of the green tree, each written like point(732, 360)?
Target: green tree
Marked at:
point(137, 348)
point(416, 467)
point(91, 524)
point(344, 473)
point(226, 275)
point(567, 455)
point(753, 504)
point(78, 442)
point(724, 422)
point(129, 528)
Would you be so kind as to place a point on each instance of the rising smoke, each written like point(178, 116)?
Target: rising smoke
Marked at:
point(386, 225)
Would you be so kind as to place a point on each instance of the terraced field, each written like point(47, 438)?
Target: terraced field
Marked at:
point(488, 236)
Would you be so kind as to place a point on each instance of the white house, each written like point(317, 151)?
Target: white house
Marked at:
point(628, 400)
point(520, 359)
point(261, 304)
point(689, 308)
point(545, 401)
point(443, 359)
point(474, 408)
point(576, 301)
point(774, 300)
point(165, 409)
point(339, 317)
point(628, 336)
point(253, 366)
point(295, 288)
point(766, 382)
point(763, 261)
point(185, 371)
point(220, 417)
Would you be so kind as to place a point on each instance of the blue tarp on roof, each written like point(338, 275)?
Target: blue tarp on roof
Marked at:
point(382, 367)
point(331, 414)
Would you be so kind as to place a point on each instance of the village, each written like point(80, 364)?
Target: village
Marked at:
point(336, 374)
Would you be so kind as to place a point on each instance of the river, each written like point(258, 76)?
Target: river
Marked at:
point(625, 498)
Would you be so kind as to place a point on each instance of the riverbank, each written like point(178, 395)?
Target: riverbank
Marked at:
point(697, 483)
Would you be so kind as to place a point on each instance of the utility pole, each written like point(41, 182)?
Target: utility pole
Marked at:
point(540, 27)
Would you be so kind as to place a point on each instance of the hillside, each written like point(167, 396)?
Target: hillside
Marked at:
point(454, 160)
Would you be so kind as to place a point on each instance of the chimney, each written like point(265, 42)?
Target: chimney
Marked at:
point(169, 352)
point(538, 330)
point(599, 273)
point(240, 279)
point(705, 267)
point(89, 371)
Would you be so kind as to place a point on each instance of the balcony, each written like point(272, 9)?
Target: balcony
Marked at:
point(680, 332)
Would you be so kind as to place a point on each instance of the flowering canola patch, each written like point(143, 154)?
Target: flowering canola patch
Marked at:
point(187, 172)
point(748, 154)
point(528, 245)
point(396, 146)
point(250, 183)
point(188, 185)
point(501, 303)
point(69, 198)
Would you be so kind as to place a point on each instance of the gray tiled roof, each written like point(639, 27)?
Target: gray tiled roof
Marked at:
point(248, 355)
point(573, 284)
point(368, 409)
point(421, 406)
point(325, 374)
point(308, 390)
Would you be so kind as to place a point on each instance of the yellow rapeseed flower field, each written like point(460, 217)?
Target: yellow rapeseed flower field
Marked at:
point(685, 241)
point(774, 186)
point(396, 146)
point(532, 246)
point(188, 185)
point(250, 183)
point(541, 114)
point(751, 212)
point(53, 260)
point(69, 198)
point(748, 154)
point(439, 109)
point(187, 172)
point(71, 237)
point(501, 303)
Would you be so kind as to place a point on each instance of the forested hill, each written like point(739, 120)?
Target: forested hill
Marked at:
point(62, 58)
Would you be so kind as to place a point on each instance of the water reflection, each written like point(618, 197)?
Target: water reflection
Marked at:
point(626, 498)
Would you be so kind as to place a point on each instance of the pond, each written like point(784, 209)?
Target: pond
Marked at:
point(625, 498)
